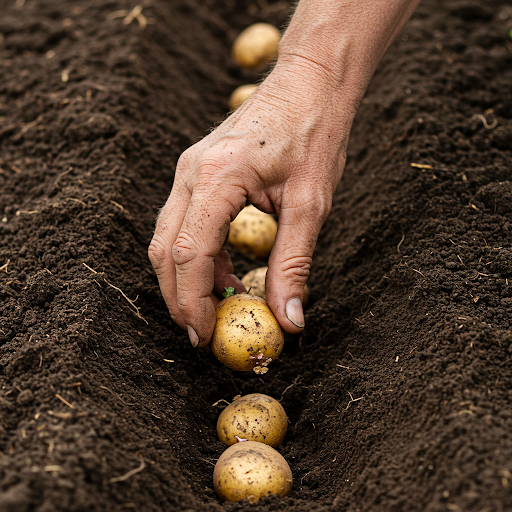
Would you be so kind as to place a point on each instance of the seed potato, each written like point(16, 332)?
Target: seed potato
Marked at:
point(255, 417)
point(253, 232)
point(247, 335)
point(256, 45)
point(251, 470)
point(254, 282)
point(240, 94)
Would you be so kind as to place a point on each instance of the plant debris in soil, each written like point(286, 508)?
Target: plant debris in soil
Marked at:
point(399, 390)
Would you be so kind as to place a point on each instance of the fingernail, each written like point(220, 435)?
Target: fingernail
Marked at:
point(194, 338)
point(294, 312)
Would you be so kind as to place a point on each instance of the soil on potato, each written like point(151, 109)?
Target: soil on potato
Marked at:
point(399, 391)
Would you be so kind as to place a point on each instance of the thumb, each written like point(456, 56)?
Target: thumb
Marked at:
point(291, 257)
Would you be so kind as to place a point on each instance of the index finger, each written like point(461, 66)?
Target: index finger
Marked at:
point(168, 226)
point(203, 232)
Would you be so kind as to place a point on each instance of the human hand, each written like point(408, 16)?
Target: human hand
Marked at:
point(284, 151)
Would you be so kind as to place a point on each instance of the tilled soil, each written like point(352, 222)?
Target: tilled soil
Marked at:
point(399, 391)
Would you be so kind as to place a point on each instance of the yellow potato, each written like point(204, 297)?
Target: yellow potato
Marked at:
point(255, 417)
point(240, 94)
point(247, 335)
point(253, 232)
point(256, 45)
point(251, 470)
point(254, 282)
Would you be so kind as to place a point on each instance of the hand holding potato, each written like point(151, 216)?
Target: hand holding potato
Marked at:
point(277, 158)
point(283, 150)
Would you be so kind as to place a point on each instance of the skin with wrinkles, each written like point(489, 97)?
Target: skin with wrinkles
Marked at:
point(303, 111)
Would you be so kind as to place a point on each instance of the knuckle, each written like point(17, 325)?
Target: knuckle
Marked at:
point(186, 306)
point(317, 204)
point(157, 252)
point(185, 160)
point(296, 269)
point(183, 250)
point(214, 170)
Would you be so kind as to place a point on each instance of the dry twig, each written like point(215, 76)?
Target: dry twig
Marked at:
point(26, 212)
point(129, 16)
point(219, 401)
point(115, 203)
point(77, 200)
point(64, 401)
point(116, 395)
point(130, 473)
point(87, 266)
point(25, 129)
point(131, 302)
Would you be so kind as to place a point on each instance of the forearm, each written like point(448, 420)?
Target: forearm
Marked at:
point(339, 43)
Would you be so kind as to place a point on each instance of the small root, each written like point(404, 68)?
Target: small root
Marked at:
point(400, 243)
point(116, 395)
point(77, 200)
point(484, 121)
point(295, 382)
point(220, 401)
point(26, 212)
point(64, 401)
point(131, 302)
point(115, 203)
point(352, 399)
point(87, 266)
point(130, 473)
point(129, 16)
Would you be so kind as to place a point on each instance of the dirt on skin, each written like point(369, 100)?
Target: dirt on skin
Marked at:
point(399, 391)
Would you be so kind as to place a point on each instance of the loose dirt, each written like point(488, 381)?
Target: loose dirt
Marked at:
point(399, 391)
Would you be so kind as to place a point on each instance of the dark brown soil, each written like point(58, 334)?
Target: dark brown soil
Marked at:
point(399, 391)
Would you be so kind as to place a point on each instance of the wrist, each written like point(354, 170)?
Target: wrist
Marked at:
point(311, 96)
point(342, 41)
